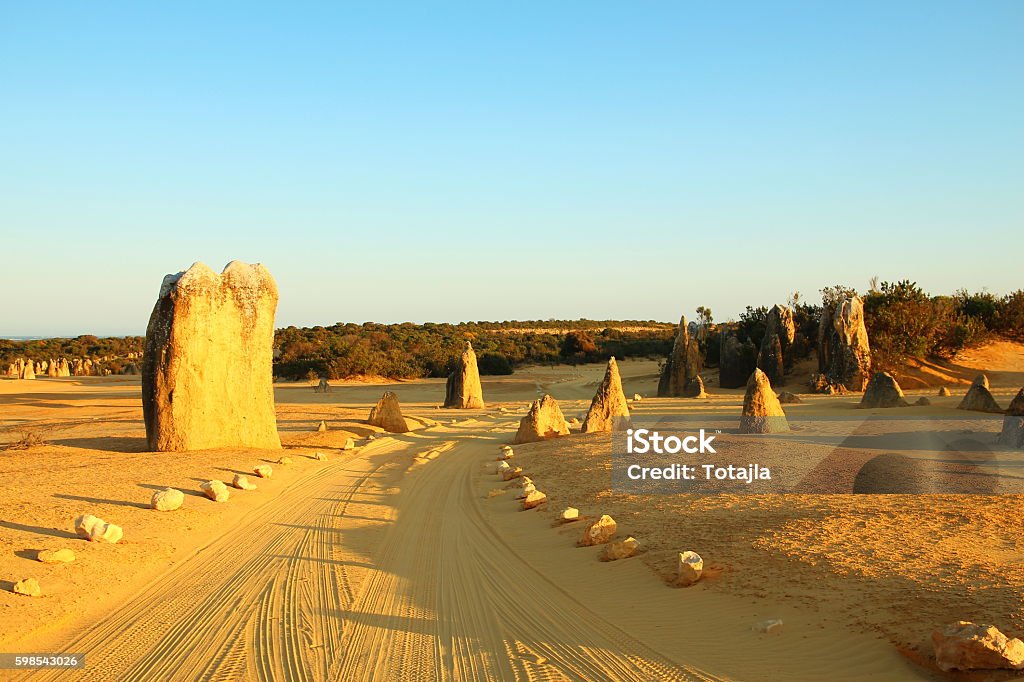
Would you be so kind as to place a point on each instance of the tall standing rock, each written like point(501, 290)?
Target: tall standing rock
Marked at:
point(544, 420)
point(774, 358)
point(684, 363)
point(844, 355)
point(736, 361)
point(463, 389)
point(29, 371)
point(825, 331)
point(207, 367)
point(388, 414)
point(762, 412)
point(608, 410)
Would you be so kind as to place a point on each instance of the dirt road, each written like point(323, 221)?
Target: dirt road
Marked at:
point(380, 565)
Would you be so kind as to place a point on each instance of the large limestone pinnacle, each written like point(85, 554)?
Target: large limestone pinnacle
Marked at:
point(608, 410)
point(207, 375)
point(463, 389)
point(775, 358)
point(844, 354)
point(684, 363)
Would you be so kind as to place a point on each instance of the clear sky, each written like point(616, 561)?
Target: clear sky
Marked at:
point(488, 161)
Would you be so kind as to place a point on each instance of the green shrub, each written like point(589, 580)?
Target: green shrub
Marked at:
point(494, 364)
point(1010, 318)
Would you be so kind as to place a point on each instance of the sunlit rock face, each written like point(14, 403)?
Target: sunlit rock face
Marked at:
point(207, 367)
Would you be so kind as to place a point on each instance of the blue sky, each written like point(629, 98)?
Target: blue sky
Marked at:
point(411, 162)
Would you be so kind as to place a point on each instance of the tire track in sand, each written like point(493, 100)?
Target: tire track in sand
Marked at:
point(446, 584)
point(252, 604)
point(438, 595)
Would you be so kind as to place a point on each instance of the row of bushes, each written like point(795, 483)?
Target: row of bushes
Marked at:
point(431, 350)
point(903, 322)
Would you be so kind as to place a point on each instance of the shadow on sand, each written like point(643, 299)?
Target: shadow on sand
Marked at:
point(106, 443)
point(100, 500)
point(39, 530)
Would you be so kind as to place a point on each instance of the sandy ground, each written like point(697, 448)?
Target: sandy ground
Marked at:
point(403, 559)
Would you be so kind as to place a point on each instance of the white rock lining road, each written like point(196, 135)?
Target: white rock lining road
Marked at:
point(308, 588)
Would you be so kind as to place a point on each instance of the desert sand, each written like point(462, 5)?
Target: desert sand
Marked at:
point(404, 559)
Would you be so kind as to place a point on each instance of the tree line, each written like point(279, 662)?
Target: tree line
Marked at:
point(904, 322)
point(408, 351)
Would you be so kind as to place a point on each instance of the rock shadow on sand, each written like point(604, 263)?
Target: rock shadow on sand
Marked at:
point(39, 530)
point(101, 500)
point(105, 443)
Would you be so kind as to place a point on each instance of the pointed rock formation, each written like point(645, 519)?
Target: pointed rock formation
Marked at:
point(206, 372)
point(544, 420)
point(695, 389)
point(28, 371)
point(883, 391)
point(979, 398)
point(684, 362)
point(463, 389)
point(608, 410)
point(774, 358)
point(1012, 434)
point(944, 392)
point(762, 412)
point(844, 355)
point(387, 414)
point(736, 360)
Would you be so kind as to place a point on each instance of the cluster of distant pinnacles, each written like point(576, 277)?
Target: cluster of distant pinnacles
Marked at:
point(78, 367)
